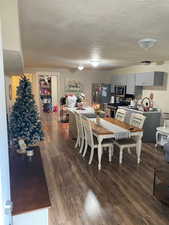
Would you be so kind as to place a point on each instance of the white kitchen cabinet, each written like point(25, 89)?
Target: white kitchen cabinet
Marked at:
point(128, 80)
point(123, 79)
point(119, 79)
point(116, 80)
point(131, 83)
point(139, 79)
point(149, 79)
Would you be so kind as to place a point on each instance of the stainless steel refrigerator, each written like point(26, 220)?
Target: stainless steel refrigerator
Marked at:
point(101, 93)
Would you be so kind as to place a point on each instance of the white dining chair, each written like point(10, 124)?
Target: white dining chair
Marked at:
point(120, 114)
point(166, 123)
point(162, 134)
point(91, 140)
point(80, 132)
point(137, 120)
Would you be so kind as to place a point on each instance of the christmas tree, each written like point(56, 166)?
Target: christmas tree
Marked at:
point(24, 119)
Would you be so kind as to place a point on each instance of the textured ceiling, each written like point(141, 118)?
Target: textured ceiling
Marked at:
point(67, 33)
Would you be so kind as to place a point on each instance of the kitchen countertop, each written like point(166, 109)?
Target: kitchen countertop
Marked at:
point(138, 111)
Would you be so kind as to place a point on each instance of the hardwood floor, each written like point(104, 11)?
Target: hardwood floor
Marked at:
point(81, 195)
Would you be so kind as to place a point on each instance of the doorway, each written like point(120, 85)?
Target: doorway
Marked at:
point(48, 92)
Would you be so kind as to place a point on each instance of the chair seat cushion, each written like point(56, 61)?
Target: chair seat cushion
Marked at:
point(127, 141)
point(105, 141)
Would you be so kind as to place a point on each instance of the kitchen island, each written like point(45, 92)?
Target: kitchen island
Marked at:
point(152, 121)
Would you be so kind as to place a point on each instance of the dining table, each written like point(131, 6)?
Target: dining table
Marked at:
point(106, 128)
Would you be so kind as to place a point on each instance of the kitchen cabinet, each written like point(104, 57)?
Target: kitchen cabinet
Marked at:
point(131, 83)
point(152, 121)
point(139, 79)
point(119, 79)
point(149, 79)
point(128, 80)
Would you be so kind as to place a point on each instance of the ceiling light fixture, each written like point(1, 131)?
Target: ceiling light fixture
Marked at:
point(147, 43)
point(94, 63)
point(80, 68)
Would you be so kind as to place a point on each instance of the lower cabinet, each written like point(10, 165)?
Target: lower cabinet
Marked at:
point(152, 121)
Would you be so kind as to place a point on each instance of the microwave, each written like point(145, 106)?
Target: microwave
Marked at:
point(120, 90)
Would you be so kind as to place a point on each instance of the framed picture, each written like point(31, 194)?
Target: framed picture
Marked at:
point(72, 86)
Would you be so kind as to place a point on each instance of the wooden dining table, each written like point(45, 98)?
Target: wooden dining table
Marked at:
point(107, 128)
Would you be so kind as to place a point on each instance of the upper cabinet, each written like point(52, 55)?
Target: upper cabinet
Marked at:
point(128, 80)
point(131, 83)
point(119, 79)
point(150, 79)
point(139, 79)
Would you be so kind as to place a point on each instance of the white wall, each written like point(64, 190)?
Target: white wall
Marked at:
point(8, 100)
point(4, 159)
point(10, 25)
point(54, 89)
point(12, 49)
point(161, 94)
point(86, 79)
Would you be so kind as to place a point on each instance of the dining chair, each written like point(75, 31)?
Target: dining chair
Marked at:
point(120, 114)
point(166, 123)
point(137, 120)
point(162, 134)
point(80, 132)
point(91, 140)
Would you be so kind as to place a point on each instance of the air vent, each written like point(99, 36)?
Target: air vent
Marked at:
point(146, 62)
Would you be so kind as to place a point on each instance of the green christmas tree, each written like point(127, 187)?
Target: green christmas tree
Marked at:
point(24, 119)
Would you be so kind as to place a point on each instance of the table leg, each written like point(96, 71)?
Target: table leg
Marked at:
point(154, 181)
point(157, 139)
point(138, 147)
point(100, 139)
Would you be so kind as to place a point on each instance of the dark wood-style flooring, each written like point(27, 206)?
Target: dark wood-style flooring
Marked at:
point(123, 192)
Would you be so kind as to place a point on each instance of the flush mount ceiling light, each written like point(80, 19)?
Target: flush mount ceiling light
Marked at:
point(147, 43)
point(80, 68)
point(94, 63)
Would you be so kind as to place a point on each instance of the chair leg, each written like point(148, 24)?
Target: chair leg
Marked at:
point(77, 142)
point(85, 150)
point(121, 156)
point(112, 150)
point(81, 147)
point(110, 153)
point(129, 151)
point(91, 155)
